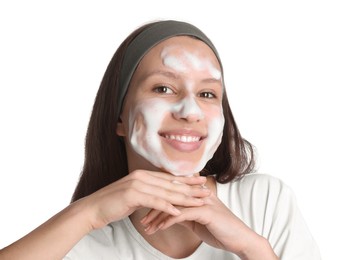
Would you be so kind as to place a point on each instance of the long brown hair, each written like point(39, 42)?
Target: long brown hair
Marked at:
point(105, 155)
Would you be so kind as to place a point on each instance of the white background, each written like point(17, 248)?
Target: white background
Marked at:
point(285, 70)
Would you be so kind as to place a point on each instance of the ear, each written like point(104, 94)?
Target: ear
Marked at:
point(120, 128)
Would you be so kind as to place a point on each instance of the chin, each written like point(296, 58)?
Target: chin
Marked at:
point(183, 169)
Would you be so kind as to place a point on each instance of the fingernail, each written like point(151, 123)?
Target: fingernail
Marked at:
point(144, 219)
point(176, 211)
point(147, 228)
point(161, 225)
point(204, 187)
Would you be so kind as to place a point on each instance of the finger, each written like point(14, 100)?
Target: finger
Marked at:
point(174, 197)
point(182, 196)
point(192, 190)
point(168, 176)
point(196, 191)
point(188, 214)
point(156, 203)
point(152, 214)
point(150, 176)
point(156, 224)
point(190, 186)
point(193, 180)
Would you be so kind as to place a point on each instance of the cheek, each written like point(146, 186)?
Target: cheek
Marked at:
point(216, 121)
point(213, 113)
point(148, 116)
point(139, 122)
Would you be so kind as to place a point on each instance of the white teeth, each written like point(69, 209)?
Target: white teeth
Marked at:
point(183, 138)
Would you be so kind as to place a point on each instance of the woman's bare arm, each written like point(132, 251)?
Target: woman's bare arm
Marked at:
point(53, 239)
point(56, 237)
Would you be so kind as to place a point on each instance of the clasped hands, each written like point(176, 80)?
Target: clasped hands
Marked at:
point(207, 217)
point(176, 200)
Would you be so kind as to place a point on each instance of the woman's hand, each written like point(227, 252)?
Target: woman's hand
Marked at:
point(154, 190)
point(216, 225)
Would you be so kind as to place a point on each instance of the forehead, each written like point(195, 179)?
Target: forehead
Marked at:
point(177, 46)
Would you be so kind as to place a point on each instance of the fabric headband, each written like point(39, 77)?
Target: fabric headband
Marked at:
point(147, 39)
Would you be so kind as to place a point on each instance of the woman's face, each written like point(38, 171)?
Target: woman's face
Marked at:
point(172, 119)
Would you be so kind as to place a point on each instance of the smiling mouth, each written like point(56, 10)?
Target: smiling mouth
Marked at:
point(183, 138)
point(184, 142)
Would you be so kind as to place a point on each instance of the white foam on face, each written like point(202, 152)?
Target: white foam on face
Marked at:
point(216, 73)
point(145, 124)
point(188, 107)
point(186, 61)
point(177, 64)
point(146, 118)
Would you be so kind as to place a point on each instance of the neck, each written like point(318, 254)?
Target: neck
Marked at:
point(176, 242)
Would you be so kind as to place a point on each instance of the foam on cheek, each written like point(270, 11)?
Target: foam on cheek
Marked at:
point(215, 132)
point(145, 122)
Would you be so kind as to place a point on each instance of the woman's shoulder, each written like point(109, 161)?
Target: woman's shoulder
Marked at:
point(255, 189)
point(251, 179)
point(269, 207)
point(259, 200)
point(255, 181)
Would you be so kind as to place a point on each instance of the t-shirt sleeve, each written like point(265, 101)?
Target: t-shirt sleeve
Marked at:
point(269, 207)
point(289, 234)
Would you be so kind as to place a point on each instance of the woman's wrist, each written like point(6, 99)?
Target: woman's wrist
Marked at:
point(45, 241)
point(259, 248)
point(84, 210)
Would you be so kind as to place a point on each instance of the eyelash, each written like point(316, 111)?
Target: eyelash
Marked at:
point(210, 95)
point(162, 90)
point(167, 90)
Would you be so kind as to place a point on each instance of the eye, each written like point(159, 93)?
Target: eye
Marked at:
point(206, 94)
point(163, 90)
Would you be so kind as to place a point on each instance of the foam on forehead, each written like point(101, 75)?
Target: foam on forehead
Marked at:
point(147, 39)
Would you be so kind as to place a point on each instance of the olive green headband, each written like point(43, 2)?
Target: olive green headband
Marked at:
point(147, 39)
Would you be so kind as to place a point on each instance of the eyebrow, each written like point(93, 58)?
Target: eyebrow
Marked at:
point(173, 75)
point(165, 73)
point(212, 80)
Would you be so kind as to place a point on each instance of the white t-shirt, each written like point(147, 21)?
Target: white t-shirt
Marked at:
point(263, 202)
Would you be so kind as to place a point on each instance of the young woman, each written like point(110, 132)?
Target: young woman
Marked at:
point(166, 169)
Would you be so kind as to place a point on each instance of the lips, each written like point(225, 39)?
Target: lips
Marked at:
point(183, 140)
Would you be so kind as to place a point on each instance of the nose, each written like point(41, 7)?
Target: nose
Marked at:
point(188, 110)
